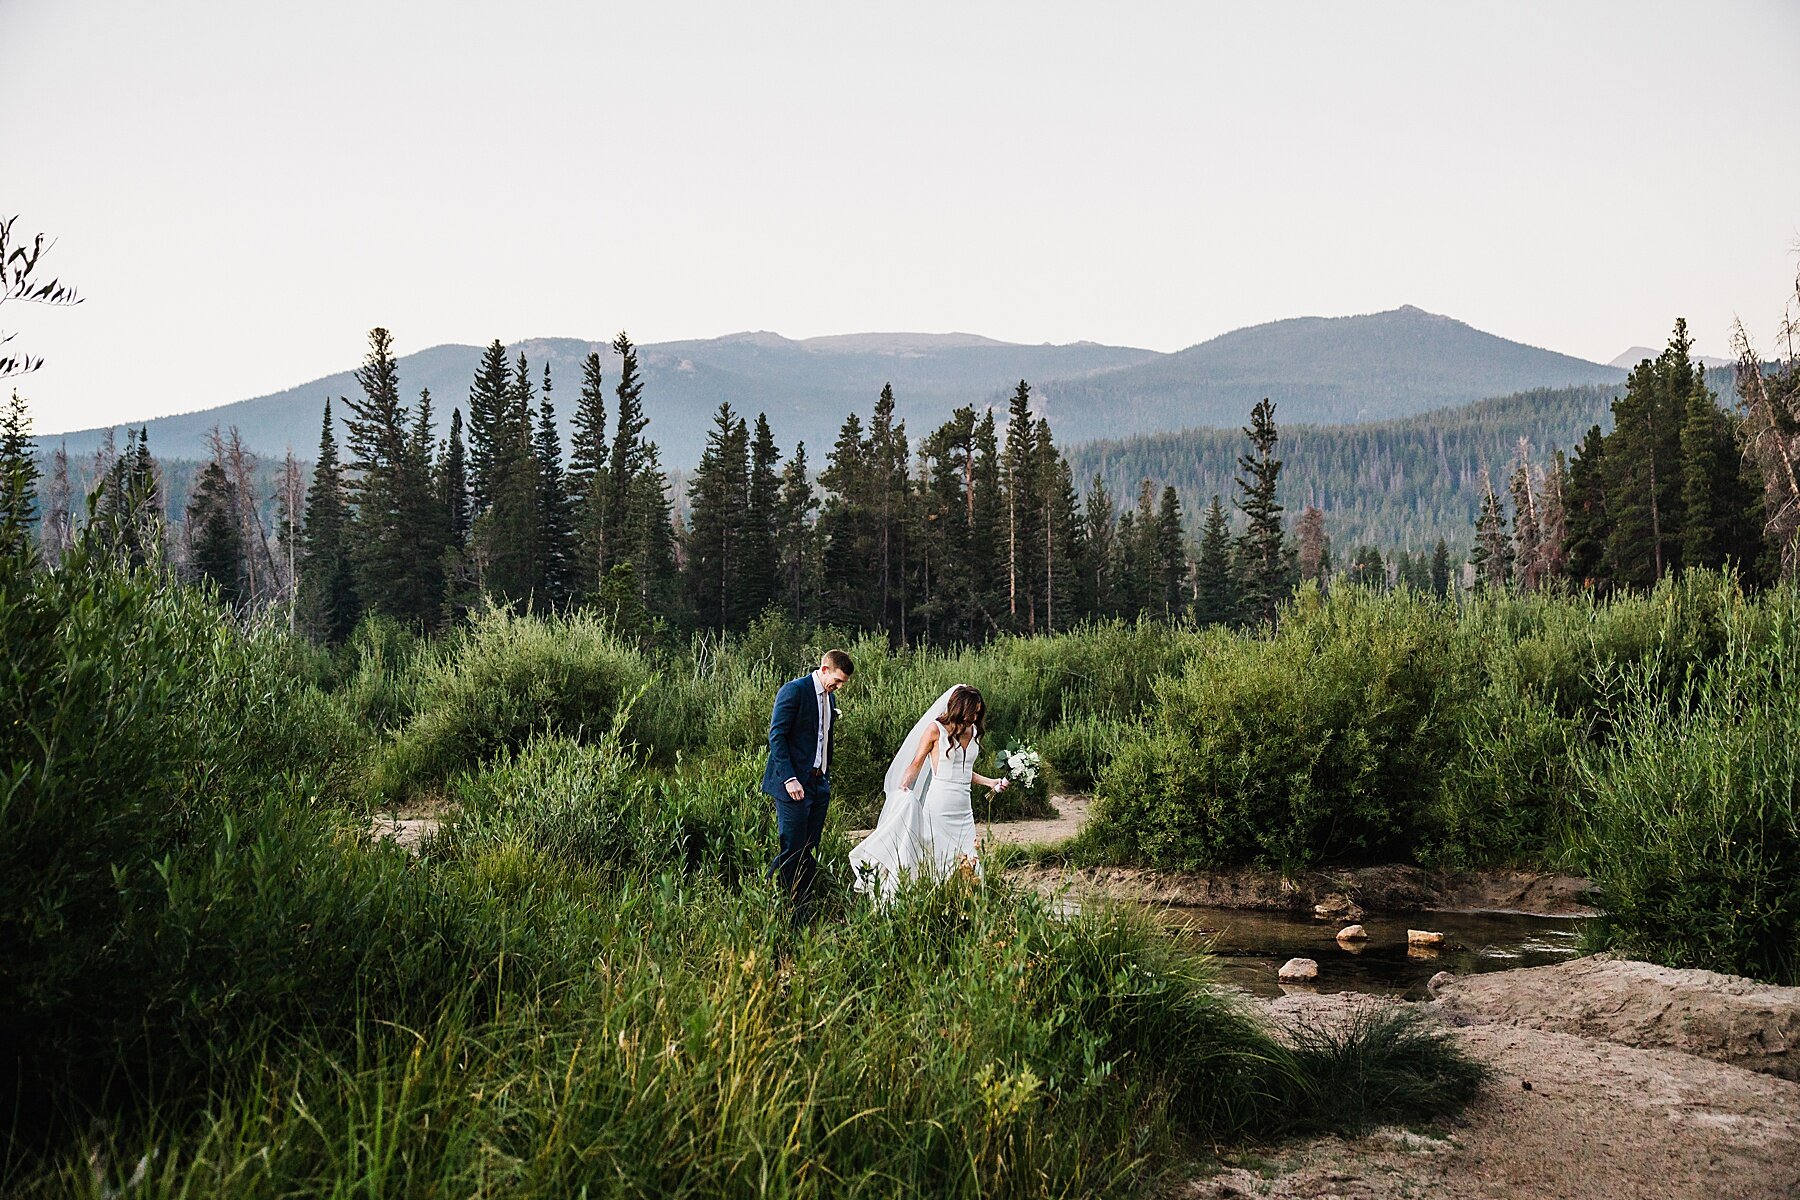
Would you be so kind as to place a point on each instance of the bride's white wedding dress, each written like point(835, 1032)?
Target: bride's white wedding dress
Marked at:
point(930, 829)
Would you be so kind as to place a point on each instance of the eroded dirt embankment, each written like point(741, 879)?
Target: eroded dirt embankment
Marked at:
point(1567, 1115)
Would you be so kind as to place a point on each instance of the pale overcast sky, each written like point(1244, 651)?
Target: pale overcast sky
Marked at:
point(241, 190)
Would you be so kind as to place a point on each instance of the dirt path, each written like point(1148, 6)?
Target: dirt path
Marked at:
point(1565, 1117)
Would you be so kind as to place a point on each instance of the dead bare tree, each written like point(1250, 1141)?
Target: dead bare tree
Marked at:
point(1771, 430)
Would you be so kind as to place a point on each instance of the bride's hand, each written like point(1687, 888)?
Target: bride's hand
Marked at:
point(1000, 785)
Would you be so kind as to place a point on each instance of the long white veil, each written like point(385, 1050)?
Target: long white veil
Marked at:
point(896, 845)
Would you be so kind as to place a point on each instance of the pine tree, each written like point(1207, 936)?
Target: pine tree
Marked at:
point(1771, 438)
point(885, 476)
point(1101, 521)
point(1260, 545)
point(426, 519)
point(760, 579)
point(488, 401)
point(987, 531)
point(626, 463)
point(1643, 466)
point(555, 522)
point(588, 487)
point(18, 486)
point(947, 509)
point(215, 547)
point(1215, 592)
point(508, 537)
point(846, 529)
point(1024, 510)
point(453, 483)
point(1171, 555)
point(795, 547)
point(327, 600)
point(1585, 514)
point(1493, 553)
point(650, 535)
point(1440, 570)
point(718, 503)
point(1719, 524)
point(1062, 564)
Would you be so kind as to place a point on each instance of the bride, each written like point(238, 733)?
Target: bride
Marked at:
point(931, 835)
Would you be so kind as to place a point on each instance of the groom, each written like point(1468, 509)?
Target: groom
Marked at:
point(798, 776)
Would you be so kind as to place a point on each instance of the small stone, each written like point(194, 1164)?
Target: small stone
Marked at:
point(1525, 1084)
point(1298, 970)
point(1423, 937)
point(1338, 907)
point(1353, 933)
point(1437, 982)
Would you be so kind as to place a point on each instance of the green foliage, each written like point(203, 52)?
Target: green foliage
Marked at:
point(1692, 822)
point(489, 688)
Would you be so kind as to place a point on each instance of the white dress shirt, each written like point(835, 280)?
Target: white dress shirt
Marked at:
point(819, 756)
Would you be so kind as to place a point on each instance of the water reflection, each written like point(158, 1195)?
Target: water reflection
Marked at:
point(1251, 946)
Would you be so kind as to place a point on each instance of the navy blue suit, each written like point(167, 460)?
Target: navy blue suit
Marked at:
point(793, 744)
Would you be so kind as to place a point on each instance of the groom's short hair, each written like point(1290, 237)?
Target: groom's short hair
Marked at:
point(840, 660)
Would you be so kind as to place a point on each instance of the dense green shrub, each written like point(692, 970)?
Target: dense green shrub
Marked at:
point(136, 720)
point(1692, 829)
point(491, 687)
point(1320, 741)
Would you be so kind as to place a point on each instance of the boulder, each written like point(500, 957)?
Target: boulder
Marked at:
point(1725, 1018)
point(1353, 933)
point(1424, 937)
point(1337, 907)
point(1298, 970)
point(1438, 982)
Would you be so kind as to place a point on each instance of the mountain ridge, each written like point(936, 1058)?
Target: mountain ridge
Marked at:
point(1352, 369)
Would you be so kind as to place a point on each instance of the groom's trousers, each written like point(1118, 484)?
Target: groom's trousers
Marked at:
point(800, 824)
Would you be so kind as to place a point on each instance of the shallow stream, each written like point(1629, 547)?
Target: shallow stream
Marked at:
point(1250, 947)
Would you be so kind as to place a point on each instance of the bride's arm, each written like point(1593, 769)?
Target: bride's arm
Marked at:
point(925, 746)
point(999, 785)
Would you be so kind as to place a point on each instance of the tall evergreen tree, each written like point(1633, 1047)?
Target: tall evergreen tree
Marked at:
point(1440, 570)
point(947, 570)
point(1585, 514)
point(1260, 545)
point(847, 530)
point(426, 519)
point(1492, 556)
point(1171, 555)
point(885, 477)
point(626, 463)
point(761, 575)
point(588, 489)
point(1215, 592)
point(18, 486)
point(795, 544)
point(453, 483)
point(215, 547)
point(1101, 521)
point(488, 402)
point(556, 525)
point(1021, 470)
point(328, 605)
point(1643, 466)
point(987, 530)
point(508, 537)
point(718, 504)
point(1720, 508)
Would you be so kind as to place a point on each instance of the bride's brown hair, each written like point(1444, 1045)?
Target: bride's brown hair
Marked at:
point(964, 710)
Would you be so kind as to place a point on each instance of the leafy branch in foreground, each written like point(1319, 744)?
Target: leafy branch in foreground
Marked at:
point(17, 265)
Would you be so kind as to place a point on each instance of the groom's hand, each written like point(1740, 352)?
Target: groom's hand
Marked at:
point(795, 791)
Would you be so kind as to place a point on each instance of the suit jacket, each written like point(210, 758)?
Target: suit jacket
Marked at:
point(794, 737)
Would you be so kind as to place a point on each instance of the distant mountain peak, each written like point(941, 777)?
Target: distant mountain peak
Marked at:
point(897, 343)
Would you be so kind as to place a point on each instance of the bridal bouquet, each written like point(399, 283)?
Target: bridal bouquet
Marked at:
point(1028, 793)
point(1023, 765)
